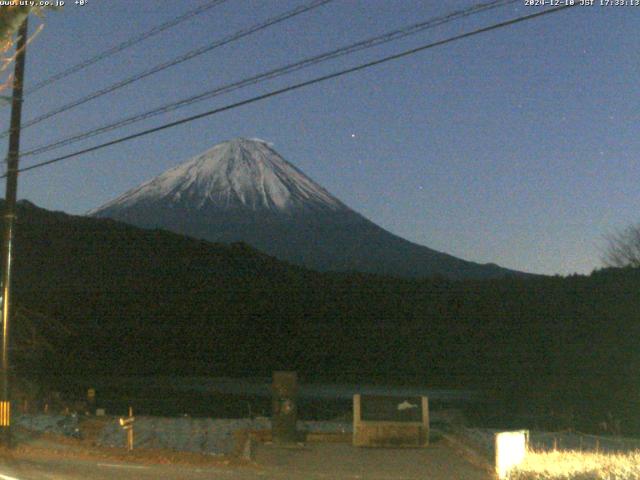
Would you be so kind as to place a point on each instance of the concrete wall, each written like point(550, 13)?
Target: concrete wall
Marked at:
point(511, 448)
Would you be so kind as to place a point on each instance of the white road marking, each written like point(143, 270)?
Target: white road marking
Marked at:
point(116, 465)
point(7, 477)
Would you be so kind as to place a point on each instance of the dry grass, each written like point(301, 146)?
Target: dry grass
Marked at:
point(574, 465)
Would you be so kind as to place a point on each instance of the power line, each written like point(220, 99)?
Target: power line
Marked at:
point(296, 87)
point(182, 58)
point(271, 74)
point(124, 45)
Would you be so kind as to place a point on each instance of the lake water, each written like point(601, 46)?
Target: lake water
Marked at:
point(237, 397)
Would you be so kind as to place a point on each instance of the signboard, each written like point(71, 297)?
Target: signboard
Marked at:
point(389, 421)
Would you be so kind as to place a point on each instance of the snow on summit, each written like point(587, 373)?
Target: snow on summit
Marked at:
point(244, 191)
point(237, 174)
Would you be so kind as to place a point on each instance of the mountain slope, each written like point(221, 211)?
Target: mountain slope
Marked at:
point(243, 190)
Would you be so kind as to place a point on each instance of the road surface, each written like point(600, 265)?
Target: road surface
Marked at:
point(314, 461)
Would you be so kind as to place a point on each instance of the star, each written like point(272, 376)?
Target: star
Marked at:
point(353, 135)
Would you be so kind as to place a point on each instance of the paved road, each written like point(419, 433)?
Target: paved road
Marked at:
point(70, 469)
point(338, 461)
point(311, 462)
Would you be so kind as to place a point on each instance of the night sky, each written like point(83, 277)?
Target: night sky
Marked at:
point(518, 146)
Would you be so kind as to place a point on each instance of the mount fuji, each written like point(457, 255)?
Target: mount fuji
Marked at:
point(243, 190)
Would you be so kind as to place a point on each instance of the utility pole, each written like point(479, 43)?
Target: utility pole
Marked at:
point(9, 217)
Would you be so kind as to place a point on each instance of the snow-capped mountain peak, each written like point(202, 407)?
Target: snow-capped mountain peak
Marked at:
point(244, 191)
point(237, 174)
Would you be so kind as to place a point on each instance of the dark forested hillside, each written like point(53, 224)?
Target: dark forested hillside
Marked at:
point(138, 301)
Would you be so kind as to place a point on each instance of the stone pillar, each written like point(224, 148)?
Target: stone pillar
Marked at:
point(285, 409)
